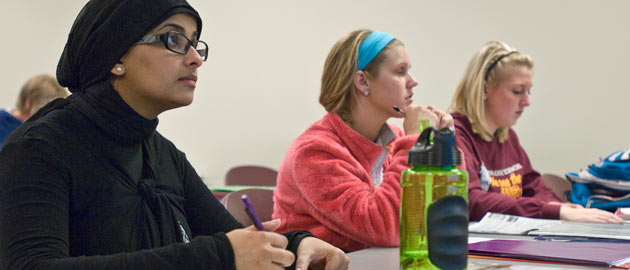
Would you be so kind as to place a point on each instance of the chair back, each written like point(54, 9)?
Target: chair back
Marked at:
point(261, 199)
point(251, 175)
point(559, 185)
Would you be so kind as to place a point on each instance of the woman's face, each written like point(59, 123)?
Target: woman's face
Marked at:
point(393, 84)
point(156, 79)
point(506, 102)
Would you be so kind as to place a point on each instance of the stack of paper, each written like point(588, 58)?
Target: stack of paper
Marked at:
point(507, 224)
point(617, 231)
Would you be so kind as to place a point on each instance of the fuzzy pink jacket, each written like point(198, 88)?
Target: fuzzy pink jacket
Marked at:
point(325, 185)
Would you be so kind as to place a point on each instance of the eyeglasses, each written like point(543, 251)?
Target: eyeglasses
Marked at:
point(177, 42)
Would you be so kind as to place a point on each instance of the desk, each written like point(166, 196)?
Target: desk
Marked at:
point(379, 258)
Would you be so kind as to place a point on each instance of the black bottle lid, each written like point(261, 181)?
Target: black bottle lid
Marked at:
point(439, 152)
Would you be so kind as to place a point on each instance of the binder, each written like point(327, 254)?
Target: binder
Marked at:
point(602, 254)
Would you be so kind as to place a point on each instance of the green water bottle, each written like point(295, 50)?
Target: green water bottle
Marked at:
point(434, 207)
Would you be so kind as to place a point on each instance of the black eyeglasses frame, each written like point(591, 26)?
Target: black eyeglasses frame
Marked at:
point(149, 39)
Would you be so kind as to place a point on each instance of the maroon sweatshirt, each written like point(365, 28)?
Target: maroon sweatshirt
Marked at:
point(510, 185)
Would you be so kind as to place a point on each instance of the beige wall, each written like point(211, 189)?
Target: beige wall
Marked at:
point(259, 88)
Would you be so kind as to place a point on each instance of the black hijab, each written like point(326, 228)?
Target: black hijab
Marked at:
point(103, 32)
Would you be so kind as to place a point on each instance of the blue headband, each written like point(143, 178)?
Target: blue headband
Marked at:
point(371, 46)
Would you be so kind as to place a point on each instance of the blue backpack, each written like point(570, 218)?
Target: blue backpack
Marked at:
point(605, 185)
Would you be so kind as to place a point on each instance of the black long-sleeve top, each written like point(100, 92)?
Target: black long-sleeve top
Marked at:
point(87, 183)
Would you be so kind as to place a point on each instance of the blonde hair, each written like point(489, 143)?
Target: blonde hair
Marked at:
point(38, 91)
point(468, 99)
point(338, 93)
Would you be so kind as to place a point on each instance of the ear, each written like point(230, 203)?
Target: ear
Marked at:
point(28, 105)
point(360, 81)
point(118, 69)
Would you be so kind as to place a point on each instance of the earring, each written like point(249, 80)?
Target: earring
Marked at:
point(366, 92)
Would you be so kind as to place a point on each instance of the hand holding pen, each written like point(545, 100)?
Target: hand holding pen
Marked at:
point(258, 247)
point(249, 255)
point(415, 115)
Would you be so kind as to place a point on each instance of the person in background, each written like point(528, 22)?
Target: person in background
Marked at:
point(88, 182)
point(490, 98)
point(340, 179)
point(35, 93)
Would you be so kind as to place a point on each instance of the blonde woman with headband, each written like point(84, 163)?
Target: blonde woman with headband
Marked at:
point(340, 178)
point(490, 98)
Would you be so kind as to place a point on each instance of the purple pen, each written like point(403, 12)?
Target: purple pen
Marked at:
point(249, 209)
point(399, 110)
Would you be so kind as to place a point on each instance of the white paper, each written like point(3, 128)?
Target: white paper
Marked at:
point(624, 211)
point(508, 224)
point(591, 230)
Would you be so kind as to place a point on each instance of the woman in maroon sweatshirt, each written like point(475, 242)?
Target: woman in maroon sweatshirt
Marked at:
point(488, 101)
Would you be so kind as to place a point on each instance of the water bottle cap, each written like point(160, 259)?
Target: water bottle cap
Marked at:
point(440, 152)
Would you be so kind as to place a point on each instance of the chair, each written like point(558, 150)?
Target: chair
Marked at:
point(251, 175)
point(261, 199)
point(559, 185)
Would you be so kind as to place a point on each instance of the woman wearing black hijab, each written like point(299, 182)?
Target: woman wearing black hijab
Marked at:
point(88, 182)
